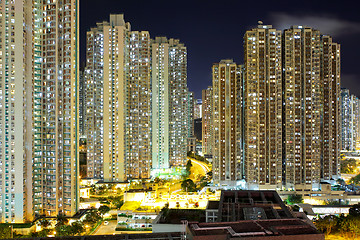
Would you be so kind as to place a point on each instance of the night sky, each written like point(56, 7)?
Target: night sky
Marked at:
point(214, 31)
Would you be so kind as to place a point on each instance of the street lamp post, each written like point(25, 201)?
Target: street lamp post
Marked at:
point(11, 231)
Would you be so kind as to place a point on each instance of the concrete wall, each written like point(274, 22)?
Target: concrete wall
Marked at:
point(161, 228)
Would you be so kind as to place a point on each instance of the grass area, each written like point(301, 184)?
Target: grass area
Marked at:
point(95, 227)
point(18, 225)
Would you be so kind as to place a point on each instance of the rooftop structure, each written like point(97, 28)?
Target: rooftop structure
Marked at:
point(259, 229)
point(247, 205)
point(136, 236)
point(251, 215)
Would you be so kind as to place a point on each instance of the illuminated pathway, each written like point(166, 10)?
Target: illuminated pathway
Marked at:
point(200, 165)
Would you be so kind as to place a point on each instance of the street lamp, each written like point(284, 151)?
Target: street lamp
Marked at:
point(11, 231)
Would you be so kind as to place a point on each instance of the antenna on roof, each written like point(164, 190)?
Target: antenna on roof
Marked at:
point(260, 22)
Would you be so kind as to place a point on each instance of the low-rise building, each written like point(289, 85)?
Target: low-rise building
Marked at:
point(264, 229)
point(135, 219)
point(85, 192)
point(313, 211)
point(251, 215)
point(322, 195)
point(172, 220)
point(247, 205)
point(132, 236)
point(88, 203)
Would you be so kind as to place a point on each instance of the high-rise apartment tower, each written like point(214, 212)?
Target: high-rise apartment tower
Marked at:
point(39, 109)
point(263, 107)
point(118, 126)
point(169, 103)
point(226, 108)
point(207, 116)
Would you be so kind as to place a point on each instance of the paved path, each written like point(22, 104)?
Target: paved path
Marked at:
point(106, 229)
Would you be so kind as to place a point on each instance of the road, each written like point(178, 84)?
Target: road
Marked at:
point(106, 229)
point(198, 168)
point(110, 229)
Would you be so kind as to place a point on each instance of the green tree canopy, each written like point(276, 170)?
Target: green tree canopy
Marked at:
point(188, 185)
point(348, 166)
point(294, 198)
point(44, 223)
point(355, 210)
point(5, 231)
point(92, 217)
point(327, 224)
point(103, 209)
point(350, 226)
point(77, 228)
point(188, 166)
point(355, 180)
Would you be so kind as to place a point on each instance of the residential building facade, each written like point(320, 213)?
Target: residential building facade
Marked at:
point(263, 107)
point(118, 126)
point(350, 116)
point(303, 106)
point(39, 109)
point(169, 103)
point(207, 128)
point(227, 161)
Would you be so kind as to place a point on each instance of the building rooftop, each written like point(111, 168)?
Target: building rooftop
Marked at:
point(250, 229)
point(251, 205)
point(175, 216)
point(212, 205)
point(136, 236)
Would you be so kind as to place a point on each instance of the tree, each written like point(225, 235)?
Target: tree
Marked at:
point(294, 198)
point(355, 210)
point(103, 209)
point(63, 230)
point(327, 224)
point(350, 227)
point(188, 167)
point(42, 233)
point(92, 217)
point(77, 228)
point(355, 180)
point(61, 220)
point(295, 208)
point(332, 202)
point(5, 231)
point(116, 201)
point(92, 190)
point(165, 209)
point(348, 166)
point(340, 181)
point(188, 185)
point(44, 223)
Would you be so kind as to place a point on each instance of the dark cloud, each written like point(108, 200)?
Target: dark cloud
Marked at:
point(327, 24)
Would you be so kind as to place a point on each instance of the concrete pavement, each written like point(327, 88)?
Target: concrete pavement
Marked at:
point(106, 229)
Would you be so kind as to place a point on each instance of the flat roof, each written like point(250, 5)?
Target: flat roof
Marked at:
point(236, 205)
point(254, 228)
point(136, 236)
point(212, 205)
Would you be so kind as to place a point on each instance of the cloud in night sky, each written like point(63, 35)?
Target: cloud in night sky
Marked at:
point(327, 24)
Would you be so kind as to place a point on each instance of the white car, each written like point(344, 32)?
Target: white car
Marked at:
point(106, 223)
